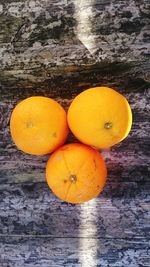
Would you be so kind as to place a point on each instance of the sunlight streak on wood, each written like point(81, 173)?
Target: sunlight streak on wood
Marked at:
point(90, 257)
point(84, 32)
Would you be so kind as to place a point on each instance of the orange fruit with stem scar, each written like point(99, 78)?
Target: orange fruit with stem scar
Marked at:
point(100, 117)
point(38, 125)
point(76, 173)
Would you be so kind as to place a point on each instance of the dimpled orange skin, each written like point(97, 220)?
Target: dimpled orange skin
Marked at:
point(76, 173)
point(100, 117)
point(38, 125)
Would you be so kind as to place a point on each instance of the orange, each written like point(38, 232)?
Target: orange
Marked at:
point(38, 125)
point(100, 117)
point(76, 173)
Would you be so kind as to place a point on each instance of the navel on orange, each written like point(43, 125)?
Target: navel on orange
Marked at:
point(38, 125)
point(100, 117)
point(76, 173)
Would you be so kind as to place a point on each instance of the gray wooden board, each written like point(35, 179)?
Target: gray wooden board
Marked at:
point(27, 26)
point(122, 210)
point(45, 49)
point(69, 252)
point(41, 39)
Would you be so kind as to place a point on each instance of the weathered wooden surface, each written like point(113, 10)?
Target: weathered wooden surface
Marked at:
point(121, 211)
point(56, 49)
point(57, 252)
point(43, 39)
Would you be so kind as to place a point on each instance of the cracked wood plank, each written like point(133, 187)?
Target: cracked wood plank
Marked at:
point(40, 39)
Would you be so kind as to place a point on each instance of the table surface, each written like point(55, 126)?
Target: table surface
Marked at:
point(58, 49)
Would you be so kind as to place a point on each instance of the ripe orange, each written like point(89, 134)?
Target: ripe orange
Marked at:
point(76, 173)
point(38, 125)
point(100, 117)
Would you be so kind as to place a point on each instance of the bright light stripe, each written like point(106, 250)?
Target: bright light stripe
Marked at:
point(83, 15)
point(87, 230)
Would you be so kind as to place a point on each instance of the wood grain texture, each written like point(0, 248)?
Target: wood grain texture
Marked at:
point(40, 40)
point(58, 49)
point(59, 252)
point(121, 211)
point(127, 162)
